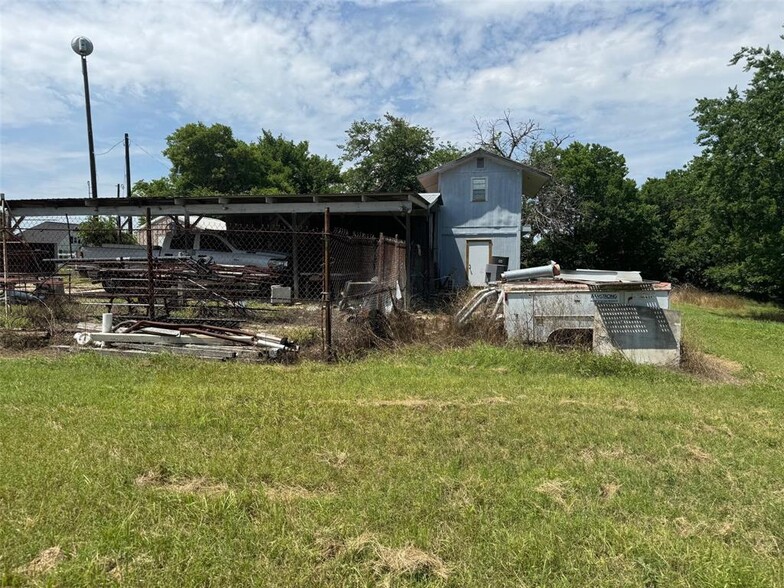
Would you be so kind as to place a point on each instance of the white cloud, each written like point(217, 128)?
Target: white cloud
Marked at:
point(624, 74)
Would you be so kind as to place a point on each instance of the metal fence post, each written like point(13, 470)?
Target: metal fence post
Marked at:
point(395, 268)
point(5, 258)
point(327, 291)
point(295, 255)
point(150, 276)
point(408, 263)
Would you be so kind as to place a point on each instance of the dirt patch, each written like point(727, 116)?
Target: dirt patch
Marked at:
point(162, 480)
point(387, 561)
point(43, 563)
point(283, 493)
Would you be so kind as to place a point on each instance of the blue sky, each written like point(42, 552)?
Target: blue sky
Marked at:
point(624, 74)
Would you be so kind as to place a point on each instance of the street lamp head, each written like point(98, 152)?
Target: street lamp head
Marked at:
point(82, 46)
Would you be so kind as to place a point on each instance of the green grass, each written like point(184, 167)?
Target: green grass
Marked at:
point(502, 466)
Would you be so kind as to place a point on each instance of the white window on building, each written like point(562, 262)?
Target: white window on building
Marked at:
point(478, 189)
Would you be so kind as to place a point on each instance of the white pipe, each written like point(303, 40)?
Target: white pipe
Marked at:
point(531, 273)
point(465, 312)
point(106, 322)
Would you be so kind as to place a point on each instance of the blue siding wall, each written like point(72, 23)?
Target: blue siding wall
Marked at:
point(460, 219)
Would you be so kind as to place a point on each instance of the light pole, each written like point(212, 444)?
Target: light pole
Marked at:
point(82, 46)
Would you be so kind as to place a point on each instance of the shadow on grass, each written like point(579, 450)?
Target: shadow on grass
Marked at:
point(772, 314)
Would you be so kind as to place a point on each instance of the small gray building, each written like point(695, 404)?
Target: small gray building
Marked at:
point(57, 239)
point(480, 216)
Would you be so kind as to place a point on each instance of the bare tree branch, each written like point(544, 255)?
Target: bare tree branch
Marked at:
point(506, 137)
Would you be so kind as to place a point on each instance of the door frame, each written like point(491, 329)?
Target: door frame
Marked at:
point(467, 245)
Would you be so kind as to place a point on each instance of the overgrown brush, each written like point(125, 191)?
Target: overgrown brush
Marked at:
point(691, 295)
point(704, 366)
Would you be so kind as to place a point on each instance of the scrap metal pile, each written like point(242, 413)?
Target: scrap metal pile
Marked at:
point(176, 282)
point(196, 339)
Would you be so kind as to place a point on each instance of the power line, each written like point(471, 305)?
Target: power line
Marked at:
point(110, 149)
point(167, 166)
point(150, 155)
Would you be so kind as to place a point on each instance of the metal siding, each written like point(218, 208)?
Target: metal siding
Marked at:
point(460, 219)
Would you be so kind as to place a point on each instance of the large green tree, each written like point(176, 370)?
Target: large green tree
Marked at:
point(210, 160)
point(742, 136)
point(722, 216)
point(602, 222)
point(683, 231)
point(291, 168)
point(386, 155)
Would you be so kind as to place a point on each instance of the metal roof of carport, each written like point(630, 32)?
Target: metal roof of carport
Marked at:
point(392, 203)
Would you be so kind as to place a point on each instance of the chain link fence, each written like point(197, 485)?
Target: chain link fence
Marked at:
point(61, 274)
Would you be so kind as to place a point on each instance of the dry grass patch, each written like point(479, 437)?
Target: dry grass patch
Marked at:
point(409, 561)
point(43, 563)
point(691, 295)
point(573, 402)
point(462, 493)
point(716, 429)
point(387, 561)
point(283, 493)
point(626, 406)
point(718, 529)
point(555, 490)
point(420, 403)
point(609, 490)
point(336, 459)
point(161, 479)
point(589, 455)
point(491, 400)
point(709, 367)
point(698, 454)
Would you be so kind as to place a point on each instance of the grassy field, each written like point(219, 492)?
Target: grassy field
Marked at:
point(484, 466)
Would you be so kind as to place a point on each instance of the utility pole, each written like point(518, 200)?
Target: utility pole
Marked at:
point(83, 47)
point(128, 178)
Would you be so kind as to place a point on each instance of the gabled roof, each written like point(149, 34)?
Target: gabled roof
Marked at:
point(49, 232)
point(533, 179)
point(432, 198)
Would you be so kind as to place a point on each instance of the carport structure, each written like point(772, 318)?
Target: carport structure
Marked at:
point(409, 214)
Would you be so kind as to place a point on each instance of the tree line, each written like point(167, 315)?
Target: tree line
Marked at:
point(718, 222)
